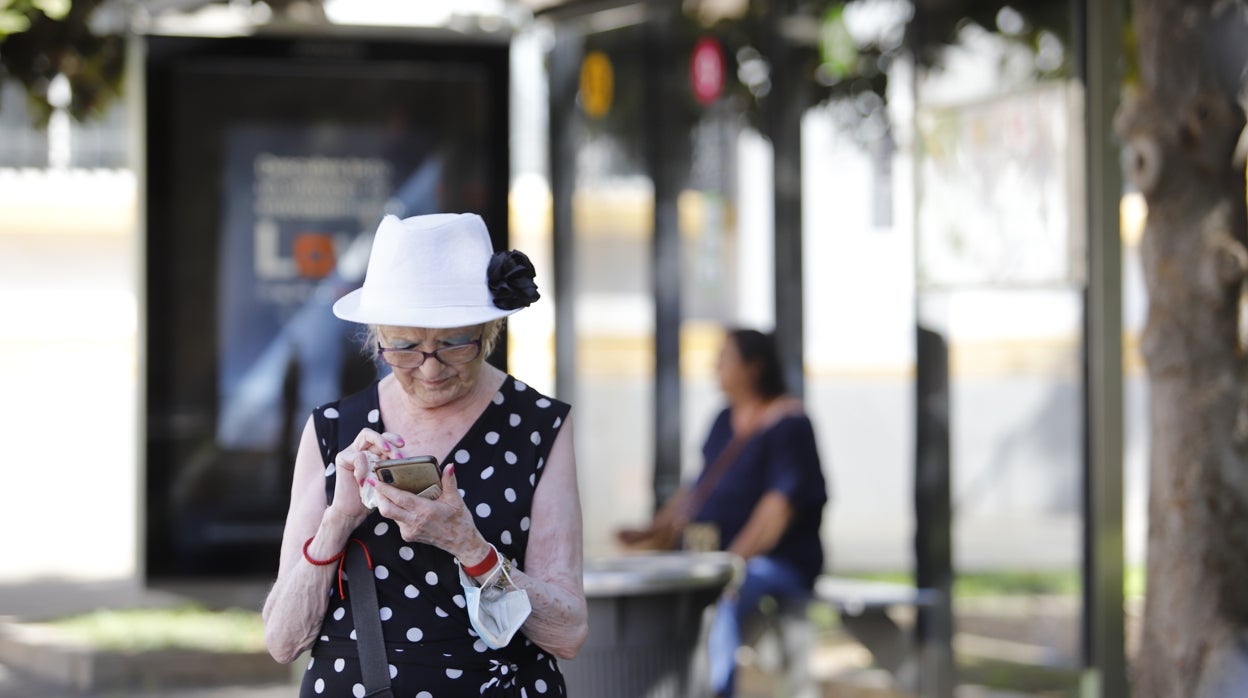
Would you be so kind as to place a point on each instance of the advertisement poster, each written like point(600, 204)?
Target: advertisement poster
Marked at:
point(300, 207)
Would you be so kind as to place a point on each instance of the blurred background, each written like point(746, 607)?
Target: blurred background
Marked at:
point(167, 262)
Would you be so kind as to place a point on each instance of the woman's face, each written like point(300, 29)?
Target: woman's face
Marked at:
point(735, 376)
point(435, 382)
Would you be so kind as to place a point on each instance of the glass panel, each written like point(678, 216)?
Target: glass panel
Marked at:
point(612, 219)
point(1000, 267)
point(858, 278)
point(266, 176)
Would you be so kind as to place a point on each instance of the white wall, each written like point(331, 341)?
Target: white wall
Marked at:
point(68, 374)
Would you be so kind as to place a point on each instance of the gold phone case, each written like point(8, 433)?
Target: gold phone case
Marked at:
point(416, 475)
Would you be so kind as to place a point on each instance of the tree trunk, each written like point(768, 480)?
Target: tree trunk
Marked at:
point(1180, 132)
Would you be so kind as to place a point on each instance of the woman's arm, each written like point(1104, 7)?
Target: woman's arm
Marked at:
point(665, 528)
point(553, 575)
point(768, 521)
point(558, 622)
point(296, 604)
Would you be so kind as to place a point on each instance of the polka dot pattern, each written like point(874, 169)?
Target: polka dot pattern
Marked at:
point(498, 462)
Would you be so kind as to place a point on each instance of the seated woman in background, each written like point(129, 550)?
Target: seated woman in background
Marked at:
point(760, 495)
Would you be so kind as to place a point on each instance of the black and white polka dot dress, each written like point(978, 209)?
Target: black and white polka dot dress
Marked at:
point(431, 647)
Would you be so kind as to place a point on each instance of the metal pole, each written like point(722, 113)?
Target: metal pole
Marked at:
point(933, 461)
point(933, 512)
point(664, 155)
point(783, 118)
point(565, 58)
point(1104, 661)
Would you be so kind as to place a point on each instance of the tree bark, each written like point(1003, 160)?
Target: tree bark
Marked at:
point(1180, 131)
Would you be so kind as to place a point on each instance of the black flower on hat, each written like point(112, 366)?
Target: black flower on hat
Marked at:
point(510, 276)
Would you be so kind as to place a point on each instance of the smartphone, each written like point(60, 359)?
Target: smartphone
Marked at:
point(420, 475)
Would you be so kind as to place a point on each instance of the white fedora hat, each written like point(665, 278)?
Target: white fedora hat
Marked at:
point(436, 271)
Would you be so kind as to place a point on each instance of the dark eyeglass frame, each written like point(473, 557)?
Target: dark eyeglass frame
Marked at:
point(426, 355)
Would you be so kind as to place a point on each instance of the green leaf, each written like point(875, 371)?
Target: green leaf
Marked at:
point(13, 23)
point(837, 48)
point(54, 9)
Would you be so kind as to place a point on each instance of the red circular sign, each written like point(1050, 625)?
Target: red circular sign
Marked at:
point(706, 70)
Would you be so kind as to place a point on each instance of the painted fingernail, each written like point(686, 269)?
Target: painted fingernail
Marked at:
point(399, 454)
point(401, 441)
point(372, 482)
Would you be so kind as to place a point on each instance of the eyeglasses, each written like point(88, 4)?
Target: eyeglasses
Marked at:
point(454, 355)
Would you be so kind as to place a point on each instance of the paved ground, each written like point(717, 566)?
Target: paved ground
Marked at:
point(13, 684)
point(840, 665)
point(45, 599)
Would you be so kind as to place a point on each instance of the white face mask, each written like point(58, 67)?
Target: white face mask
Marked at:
point(495, 613)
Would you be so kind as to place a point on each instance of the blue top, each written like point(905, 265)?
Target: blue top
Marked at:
point(780, 458)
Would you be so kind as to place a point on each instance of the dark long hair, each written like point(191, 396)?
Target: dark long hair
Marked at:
point(759, 349)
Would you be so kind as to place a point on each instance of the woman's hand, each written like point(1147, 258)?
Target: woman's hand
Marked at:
point(351, 465)
point(444, 522)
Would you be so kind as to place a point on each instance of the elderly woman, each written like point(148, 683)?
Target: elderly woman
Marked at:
point(479, 587)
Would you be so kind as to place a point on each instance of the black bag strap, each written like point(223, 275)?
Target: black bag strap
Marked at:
point(372, 647)
point(362, 590)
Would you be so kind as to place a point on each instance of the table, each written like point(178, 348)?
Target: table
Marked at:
point(645, 623)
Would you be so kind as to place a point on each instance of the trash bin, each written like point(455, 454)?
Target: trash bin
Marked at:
point(645, 623)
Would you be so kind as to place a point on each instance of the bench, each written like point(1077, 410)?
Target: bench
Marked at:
point(863, 606)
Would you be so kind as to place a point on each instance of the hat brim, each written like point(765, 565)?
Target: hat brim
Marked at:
point(349, 308)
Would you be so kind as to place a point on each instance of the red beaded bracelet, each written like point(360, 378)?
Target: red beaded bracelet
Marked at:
point(319, 563)
point(340, 558)
point(491, 559)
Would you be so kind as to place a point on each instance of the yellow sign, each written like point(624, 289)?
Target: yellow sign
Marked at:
point(597, 84)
